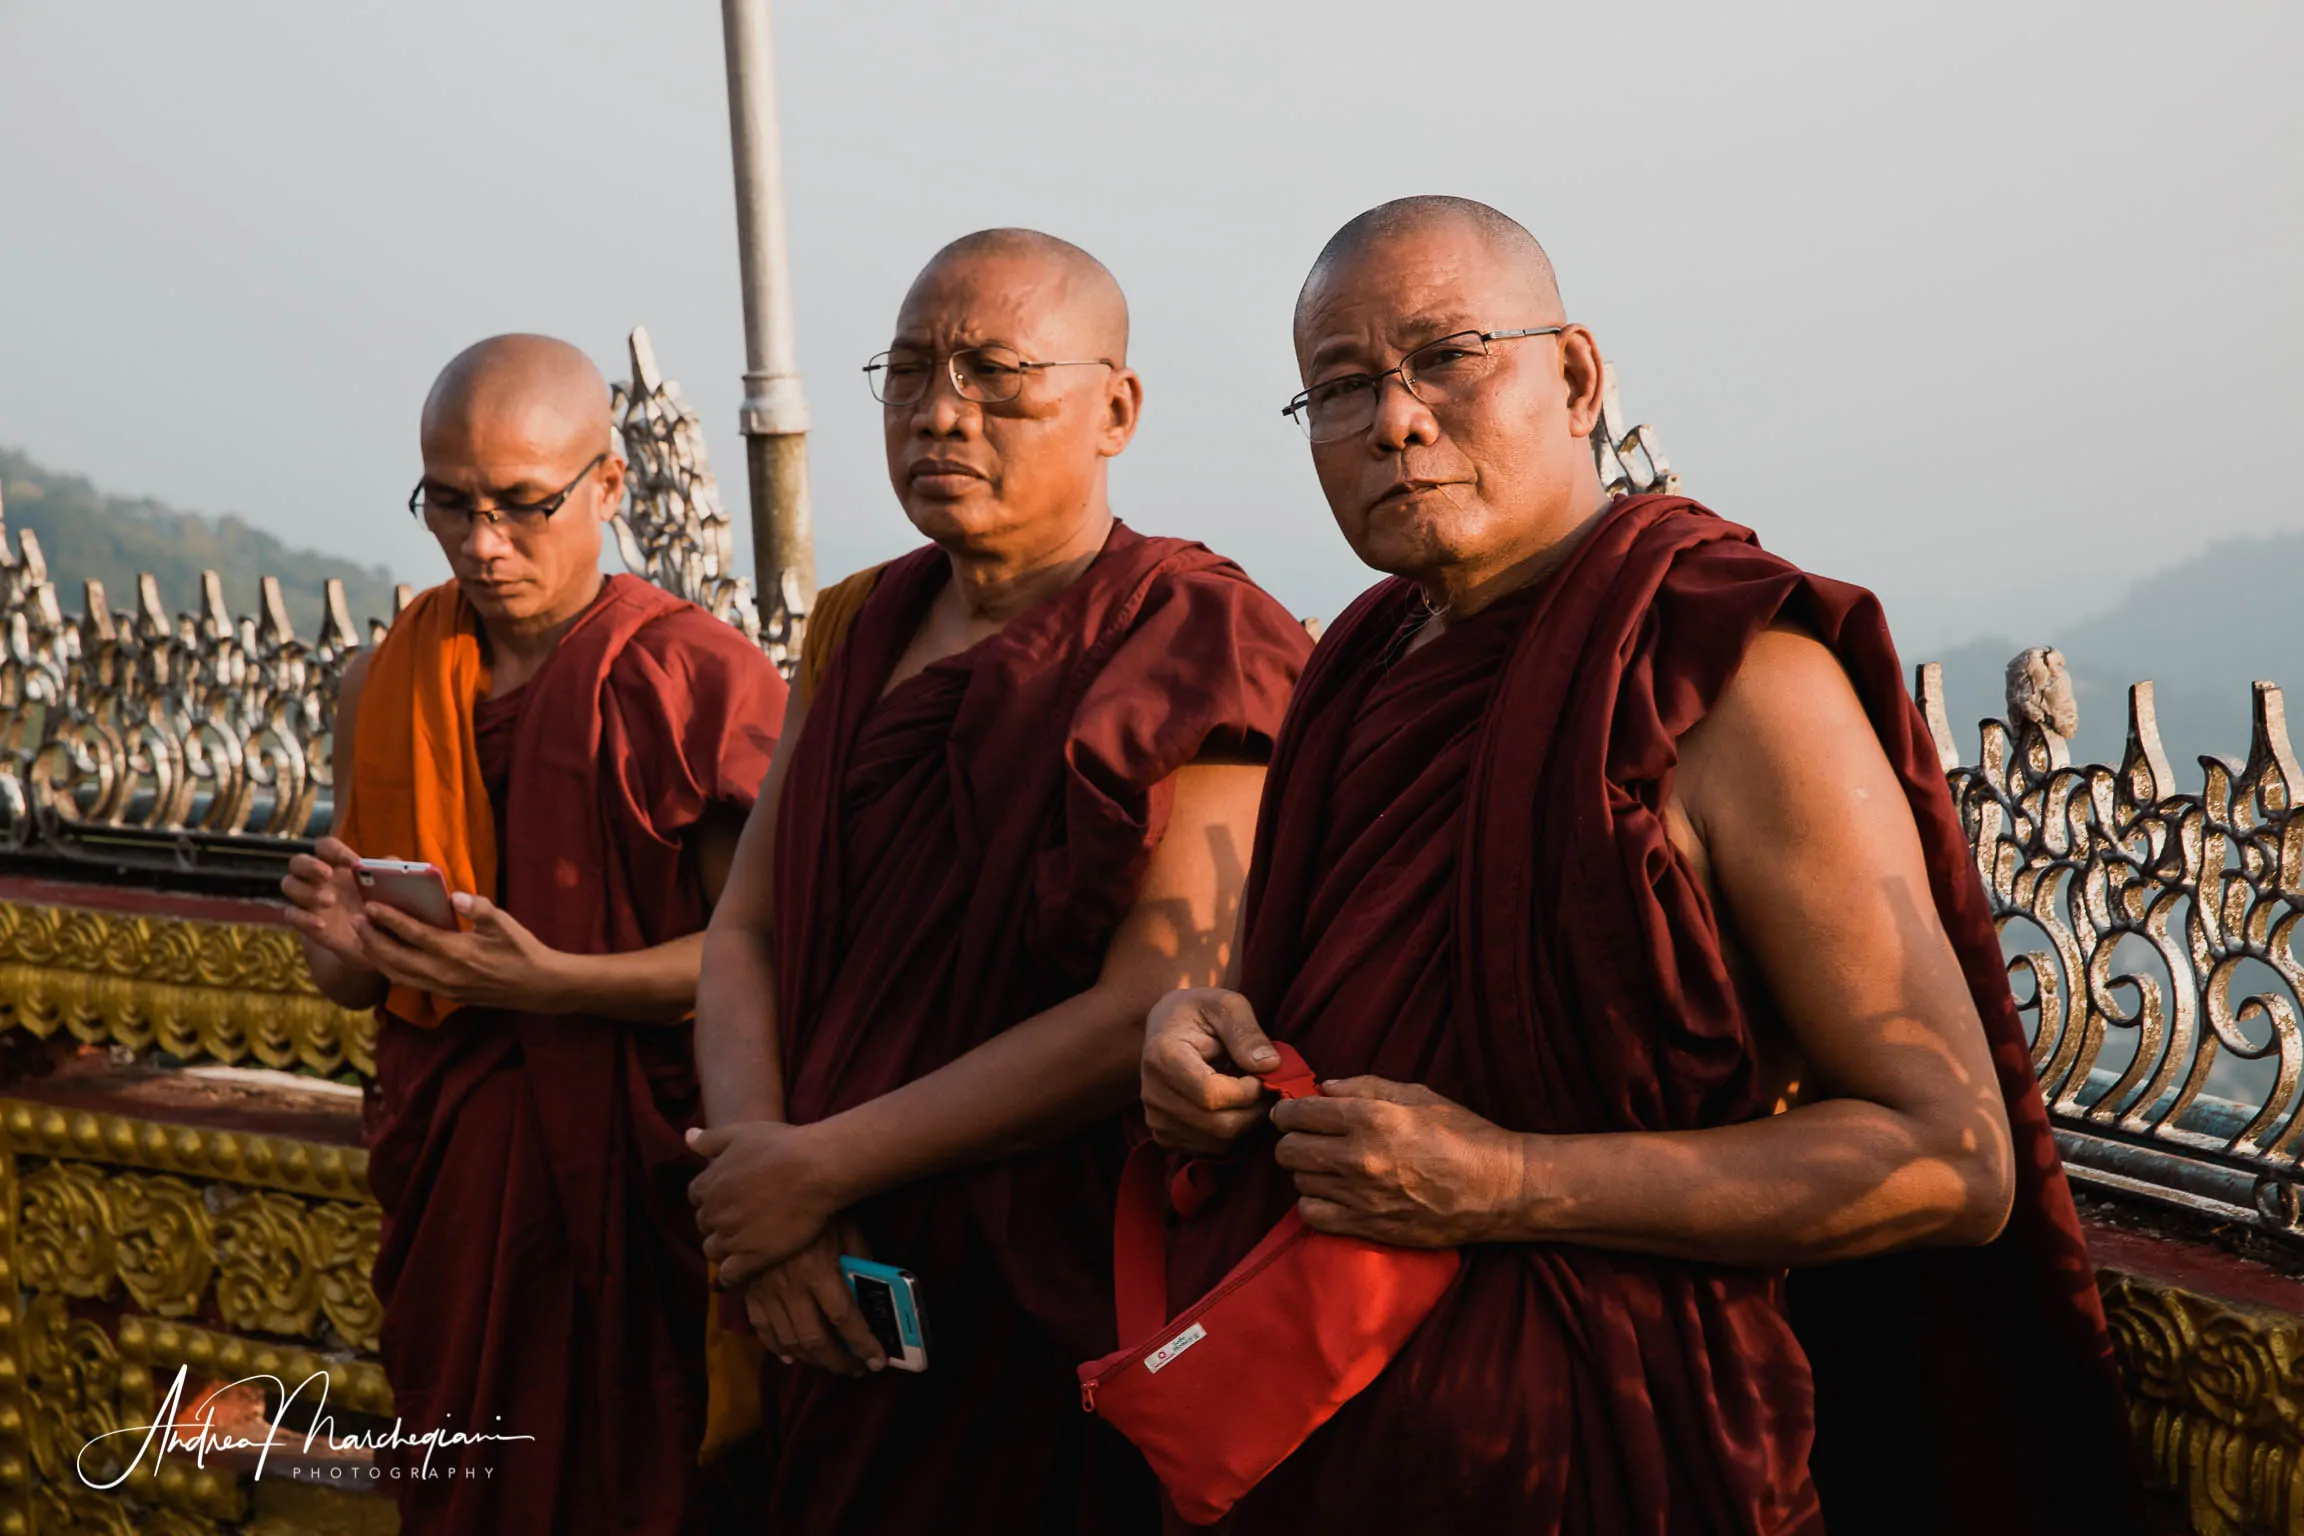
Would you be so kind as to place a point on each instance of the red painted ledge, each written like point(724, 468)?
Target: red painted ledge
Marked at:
point(143, 902)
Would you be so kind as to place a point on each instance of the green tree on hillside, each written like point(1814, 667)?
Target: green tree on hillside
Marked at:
point(84, 533)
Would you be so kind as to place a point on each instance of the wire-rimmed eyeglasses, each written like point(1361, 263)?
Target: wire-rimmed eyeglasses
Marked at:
point(448, 503)
point(1439, 373)
point(989, 375)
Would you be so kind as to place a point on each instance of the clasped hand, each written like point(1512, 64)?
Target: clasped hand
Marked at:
point(771, 1220)
point(1392, 1162)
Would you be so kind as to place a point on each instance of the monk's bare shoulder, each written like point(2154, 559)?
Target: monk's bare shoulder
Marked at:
point(355, 677)
point(343, 747)
point(1760, 783)
point(1787, 723)
point(348, 690)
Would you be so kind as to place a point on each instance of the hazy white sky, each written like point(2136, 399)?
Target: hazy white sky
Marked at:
point(1992, 307)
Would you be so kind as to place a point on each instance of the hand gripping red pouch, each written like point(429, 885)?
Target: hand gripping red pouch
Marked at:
point(1217, 1395)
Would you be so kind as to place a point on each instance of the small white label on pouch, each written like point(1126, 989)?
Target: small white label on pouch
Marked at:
point(1174, 1347)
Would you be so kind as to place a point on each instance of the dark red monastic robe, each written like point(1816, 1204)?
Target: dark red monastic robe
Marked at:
point(952, 859)
point(1462, 879)
point(540, 1270)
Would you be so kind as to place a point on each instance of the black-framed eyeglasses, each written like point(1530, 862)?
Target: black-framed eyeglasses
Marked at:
point(454, 503)
point(989, 375)
point(1439, 373)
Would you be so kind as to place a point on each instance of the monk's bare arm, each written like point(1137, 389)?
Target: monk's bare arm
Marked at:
point(322, 898)
point(1815, 857)
point(738, 1061)
point(1818, 865)
point(1029, 1085)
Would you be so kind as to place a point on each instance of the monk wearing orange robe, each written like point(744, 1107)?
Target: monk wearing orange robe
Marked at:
point(1610, 873)
point(1011, 811)
point(576, 754)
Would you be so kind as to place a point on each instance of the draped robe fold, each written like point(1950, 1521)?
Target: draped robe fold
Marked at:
point(540, 1268)
point(1463, 880)
point(952, 859)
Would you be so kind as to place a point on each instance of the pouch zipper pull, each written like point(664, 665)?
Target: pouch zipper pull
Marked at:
point(1088, 1395)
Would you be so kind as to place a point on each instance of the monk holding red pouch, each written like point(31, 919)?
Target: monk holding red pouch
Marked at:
point(1608, 871)
point(1013, 808)
point(576, 754)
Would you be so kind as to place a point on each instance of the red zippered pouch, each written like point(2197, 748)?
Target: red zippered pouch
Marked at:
point(1219, 1394)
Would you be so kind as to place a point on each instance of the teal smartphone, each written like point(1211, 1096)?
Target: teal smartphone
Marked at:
point(889, 1298)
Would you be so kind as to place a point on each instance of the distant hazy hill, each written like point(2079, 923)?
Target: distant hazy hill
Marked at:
point(111, 538)
point(2201, 631)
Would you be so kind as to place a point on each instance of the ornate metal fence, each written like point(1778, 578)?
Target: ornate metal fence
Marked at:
point(2152, 932)
point(126, 733)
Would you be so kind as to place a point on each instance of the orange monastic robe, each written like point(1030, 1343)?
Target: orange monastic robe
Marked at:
point(540, 1268)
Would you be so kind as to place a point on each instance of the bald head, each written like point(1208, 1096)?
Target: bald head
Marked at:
point(1480, 459)
point(1082, 289)
point(1410, 218)
point(545, 388)
point(515, 423)
point(1008, 467)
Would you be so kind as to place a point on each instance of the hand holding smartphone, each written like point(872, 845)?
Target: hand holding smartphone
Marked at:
point(409, 886)
point(889, 1298)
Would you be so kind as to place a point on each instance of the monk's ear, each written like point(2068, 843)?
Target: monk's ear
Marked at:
point(1582, 371)
point(1123, 407)
point(611, 487)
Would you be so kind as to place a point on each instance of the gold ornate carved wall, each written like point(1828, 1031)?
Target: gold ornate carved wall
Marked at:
point(124, 1276)
point(234, 993)
point(134, 1245)
point(2216, 1396)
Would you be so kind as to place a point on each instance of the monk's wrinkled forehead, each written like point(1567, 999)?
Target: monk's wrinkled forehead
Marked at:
point(1420, 268)
point(533, 388)
point(1043, 296)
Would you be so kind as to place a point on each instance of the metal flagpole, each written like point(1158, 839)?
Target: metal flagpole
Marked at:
point(775, 413)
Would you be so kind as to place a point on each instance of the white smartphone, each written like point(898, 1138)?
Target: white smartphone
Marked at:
point(416, 888)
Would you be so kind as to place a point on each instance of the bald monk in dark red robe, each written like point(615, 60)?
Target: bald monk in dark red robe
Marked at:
point(1013, 811)
point(1609, 870)
point(577, 754)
